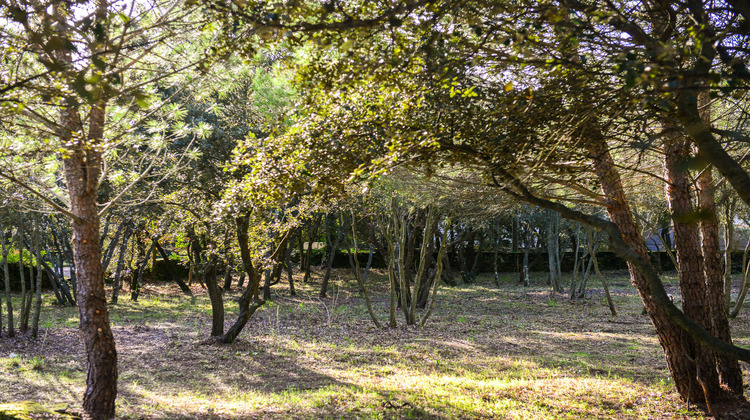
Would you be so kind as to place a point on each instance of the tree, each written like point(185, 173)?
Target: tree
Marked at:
point(447, 99)
point(86, 64)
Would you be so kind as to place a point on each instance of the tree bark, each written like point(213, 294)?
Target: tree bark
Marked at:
point(214, 294)
point(82, 165)
point(681, 367)
point(695, 295)
point(250, 295)
point(730, 374)
point(137, 280)
point(288, 264)
point(6, 278)
point(38, 286)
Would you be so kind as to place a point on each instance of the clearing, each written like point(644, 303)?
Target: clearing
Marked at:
point(487, 352)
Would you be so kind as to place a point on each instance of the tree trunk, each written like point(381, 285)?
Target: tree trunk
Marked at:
point(250, 295)
point(438, 273)
point(172, 272)
point(228, 271)
point(112, 245)
point(117, 284)
point(38, 286)
point(288, 264)
point(745, 283)
point(671, 337)
point(333, 248)
point(730, 374)
point(6, 278)
point(23, 317)
point(496, 251)
point(553, 245)
point(526, 249)
point(728, 248)
point(137, 280)
point(214, 294)
point(308, 255)
point(690, 260)
point(82, 165)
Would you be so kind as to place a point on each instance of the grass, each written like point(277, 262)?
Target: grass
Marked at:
point(488, 352)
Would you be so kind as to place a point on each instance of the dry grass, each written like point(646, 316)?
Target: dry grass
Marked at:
point(488, 352)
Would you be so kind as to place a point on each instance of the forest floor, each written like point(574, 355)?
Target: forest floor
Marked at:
point(491, 352)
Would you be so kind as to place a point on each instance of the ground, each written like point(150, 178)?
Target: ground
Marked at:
point(489, 352)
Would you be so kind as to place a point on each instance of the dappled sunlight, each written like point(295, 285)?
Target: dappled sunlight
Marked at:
point(484, 354)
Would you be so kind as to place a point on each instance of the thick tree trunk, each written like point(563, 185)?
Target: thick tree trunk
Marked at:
point(82, 165)
point(681, 366)
point(730, 374)
point(695, 295)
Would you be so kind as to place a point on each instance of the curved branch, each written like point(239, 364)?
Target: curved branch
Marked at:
point(44, 198)
point(515, 188)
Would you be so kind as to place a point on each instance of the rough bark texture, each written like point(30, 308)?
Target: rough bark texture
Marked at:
point(730, 374)
point(695, 296)
point(670, 336)
point(82, 166)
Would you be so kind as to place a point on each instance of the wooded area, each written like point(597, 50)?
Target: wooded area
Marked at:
point(239, 150)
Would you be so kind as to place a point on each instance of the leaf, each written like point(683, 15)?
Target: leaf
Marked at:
point(508, 87)
point(347, 45)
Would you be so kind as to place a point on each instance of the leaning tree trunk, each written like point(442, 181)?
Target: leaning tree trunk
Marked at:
point(745, 283)
point(333, 248)
point(681, 365)
point(250, 300)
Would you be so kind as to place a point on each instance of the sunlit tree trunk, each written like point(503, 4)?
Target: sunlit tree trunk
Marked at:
point(681, 366)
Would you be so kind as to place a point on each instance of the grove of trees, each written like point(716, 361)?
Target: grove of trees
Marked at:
point(241, 132)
